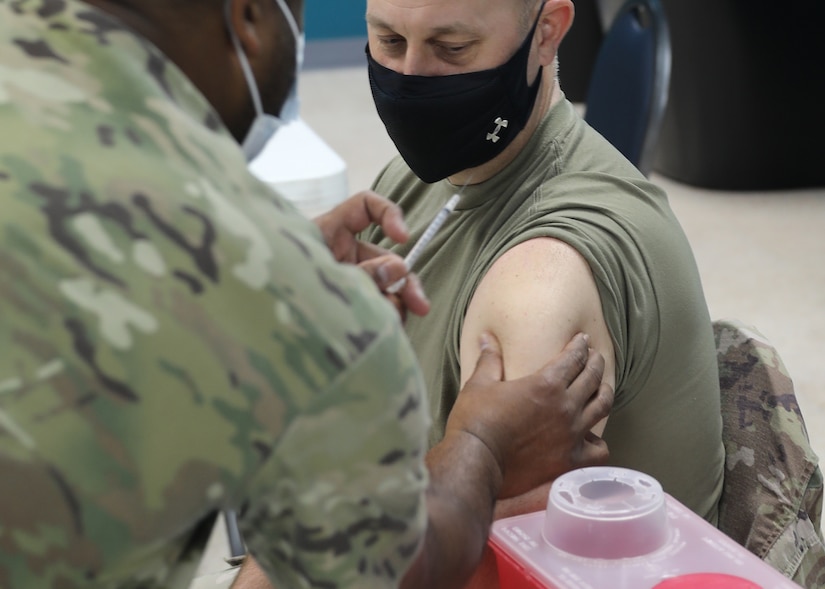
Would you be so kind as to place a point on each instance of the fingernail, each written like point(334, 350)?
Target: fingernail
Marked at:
point(383, 274)
point(586, 338)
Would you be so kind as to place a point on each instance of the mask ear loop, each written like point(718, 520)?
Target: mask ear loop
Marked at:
point(245, 67)
point(293, 26)
point(289, 111)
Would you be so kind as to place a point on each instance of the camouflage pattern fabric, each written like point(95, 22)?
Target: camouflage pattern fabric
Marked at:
point(176, 339)
point(772, 497)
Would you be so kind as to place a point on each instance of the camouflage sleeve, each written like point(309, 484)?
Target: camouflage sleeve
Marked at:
point(772, 499)
point(176, 339)
point(342, 493)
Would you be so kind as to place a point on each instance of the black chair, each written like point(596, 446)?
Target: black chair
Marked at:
point(629, 87)
point(579, 50)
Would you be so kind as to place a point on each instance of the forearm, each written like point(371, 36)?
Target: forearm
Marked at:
point(465, 480)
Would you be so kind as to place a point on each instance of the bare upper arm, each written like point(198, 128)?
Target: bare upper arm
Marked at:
point(534, 298)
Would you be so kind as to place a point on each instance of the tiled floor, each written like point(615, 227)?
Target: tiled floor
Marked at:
point(761, 255)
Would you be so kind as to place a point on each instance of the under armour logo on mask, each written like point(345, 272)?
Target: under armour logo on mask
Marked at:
point(499, 124)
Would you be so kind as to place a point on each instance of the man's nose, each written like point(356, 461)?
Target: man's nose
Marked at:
point(419, 61)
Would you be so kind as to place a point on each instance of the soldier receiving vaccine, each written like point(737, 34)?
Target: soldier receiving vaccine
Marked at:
point(556, 232)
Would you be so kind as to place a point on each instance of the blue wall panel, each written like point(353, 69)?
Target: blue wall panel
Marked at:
point(331, 19)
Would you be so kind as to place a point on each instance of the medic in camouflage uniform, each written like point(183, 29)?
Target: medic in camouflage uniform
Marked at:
point(157, 301)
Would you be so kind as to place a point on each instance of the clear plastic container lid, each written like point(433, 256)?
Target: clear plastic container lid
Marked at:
point(606, 512)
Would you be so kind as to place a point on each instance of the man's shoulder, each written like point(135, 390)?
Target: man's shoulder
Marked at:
point(70, 42)
point(530, 270)
point(77, 73)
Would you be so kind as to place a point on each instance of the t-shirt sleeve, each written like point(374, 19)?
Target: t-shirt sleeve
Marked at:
point(604, 228)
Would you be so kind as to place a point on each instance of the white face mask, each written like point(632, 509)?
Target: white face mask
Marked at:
point(266, 125)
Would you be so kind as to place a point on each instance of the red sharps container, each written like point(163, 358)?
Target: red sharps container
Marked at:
point(615, 528)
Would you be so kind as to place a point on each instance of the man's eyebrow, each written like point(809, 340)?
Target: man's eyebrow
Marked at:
point(377, 22)
point(455, 28)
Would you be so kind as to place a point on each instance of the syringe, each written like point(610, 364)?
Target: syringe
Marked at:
point(424, 240)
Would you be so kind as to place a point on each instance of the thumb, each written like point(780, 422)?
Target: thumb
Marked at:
point(490, 366)
point(594, 451)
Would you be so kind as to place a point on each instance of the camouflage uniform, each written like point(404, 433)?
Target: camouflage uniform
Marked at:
point(176, 339)
point(772, 497)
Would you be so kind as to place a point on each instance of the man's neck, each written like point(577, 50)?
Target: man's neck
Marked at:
point(549, 95)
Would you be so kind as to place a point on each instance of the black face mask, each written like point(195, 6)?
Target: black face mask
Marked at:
point(445, 124)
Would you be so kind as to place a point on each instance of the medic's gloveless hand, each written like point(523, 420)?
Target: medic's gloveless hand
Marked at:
point(340, 228)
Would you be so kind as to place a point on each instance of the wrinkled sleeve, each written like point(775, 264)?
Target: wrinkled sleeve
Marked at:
point(340, 502)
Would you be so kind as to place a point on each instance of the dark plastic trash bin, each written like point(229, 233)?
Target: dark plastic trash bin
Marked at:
point(747, 94)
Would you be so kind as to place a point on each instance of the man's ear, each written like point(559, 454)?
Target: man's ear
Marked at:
point(246, 18)
point(554, 22)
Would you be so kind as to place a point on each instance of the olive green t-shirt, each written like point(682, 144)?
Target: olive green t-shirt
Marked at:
point(571, 184)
